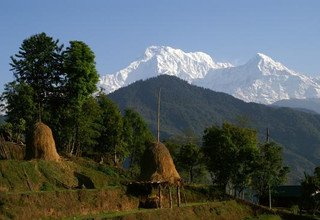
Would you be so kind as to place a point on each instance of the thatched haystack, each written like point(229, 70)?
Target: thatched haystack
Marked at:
point(11, 151)
point(157, 165)
point(43, 145)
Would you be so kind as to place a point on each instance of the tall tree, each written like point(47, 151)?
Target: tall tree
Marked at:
point(269, 169)
point(111, 140)
point(229, 152)
point(82, 76)
point(189, 156)
point(21, 103)
point(80, 83)
point(310, 188)
point(135, 134)
point(38, 64)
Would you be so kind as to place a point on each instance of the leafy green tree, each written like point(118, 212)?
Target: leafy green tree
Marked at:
point(111, 138)
point(80, 83)
point(310, 188)
point(269, 170)
point(135, 134)
point(89, 126)
point(38, 65)
point(81, 73)
point(6, 131)
point(20, 102)
point(229, 152)
point(190, 156)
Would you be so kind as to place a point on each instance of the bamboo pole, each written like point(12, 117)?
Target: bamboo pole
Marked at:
point(158, 118)
point(159, 195)
point(269, 190)
point(170, 198)
point(178, 196)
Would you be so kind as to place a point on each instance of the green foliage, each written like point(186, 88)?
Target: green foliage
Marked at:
point(80, 114)
point(111, 138)
point(189, 158)
point(184, 106)
point(269, 169)
point(135, 134)
point(55, 86)
point(81, 74)
point(2, 119)
point(21, 102)
point(13, 133)
point(310, 187)
point(38, 65)
point(230, 153)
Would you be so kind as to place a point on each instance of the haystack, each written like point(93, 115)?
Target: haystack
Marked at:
point(11, 151)
point(157, 165)
point(43, 145)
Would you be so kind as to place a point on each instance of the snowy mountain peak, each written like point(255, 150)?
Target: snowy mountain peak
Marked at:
point(261, 79)
point(166, 52)
point(266, 63)
point(159, 60)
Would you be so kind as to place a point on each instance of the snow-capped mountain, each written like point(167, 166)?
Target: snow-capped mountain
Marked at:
point(159, 60)
point(261, 80)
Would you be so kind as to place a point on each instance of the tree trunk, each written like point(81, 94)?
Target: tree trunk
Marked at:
point(191, 174)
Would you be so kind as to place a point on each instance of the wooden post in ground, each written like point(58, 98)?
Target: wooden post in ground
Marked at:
point(178, 196)
point(158, 118)
point(170, 198)
point(159, 195)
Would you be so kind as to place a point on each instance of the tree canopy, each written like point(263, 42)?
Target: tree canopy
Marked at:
point(56, 85)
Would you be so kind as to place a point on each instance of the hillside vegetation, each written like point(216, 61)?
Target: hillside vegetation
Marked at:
point(185, 107)
point(40, 175)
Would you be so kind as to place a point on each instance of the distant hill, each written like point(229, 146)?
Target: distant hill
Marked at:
point(187, 107)
point(311, 104)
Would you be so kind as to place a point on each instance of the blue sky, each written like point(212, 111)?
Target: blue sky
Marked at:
point(119, 31)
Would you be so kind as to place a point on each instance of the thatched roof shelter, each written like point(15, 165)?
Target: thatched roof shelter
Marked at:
point(43, 145)
point(157, 165)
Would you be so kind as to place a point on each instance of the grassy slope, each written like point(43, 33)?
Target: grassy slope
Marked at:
point(209, 210)
point(40, 175)
point(37, 188)
point(43, 189)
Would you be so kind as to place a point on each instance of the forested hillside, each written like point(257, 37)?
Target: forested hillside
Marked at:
point(189, 108)
point(311, 105)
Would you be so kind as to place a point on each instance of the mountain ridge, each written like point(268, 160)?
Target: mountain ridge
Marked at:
point(188, 107)
point(261, 79)
point(159, 60)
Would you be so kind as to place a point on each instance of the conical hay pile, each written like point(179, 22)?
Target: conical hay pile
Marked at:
point(43, 144)
point(157, 165)
point(10, 150)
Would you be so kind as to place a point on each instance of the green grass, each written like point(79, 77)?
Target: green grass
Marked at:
point(202, 210)
point(40, 175)
point(265, 217)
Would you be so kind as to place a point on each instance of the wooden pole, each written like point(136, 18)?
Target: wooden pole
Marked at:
point(170, 198)
point(178, 196)
point(159, 195)
point(267, 140)
point(158, 118)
